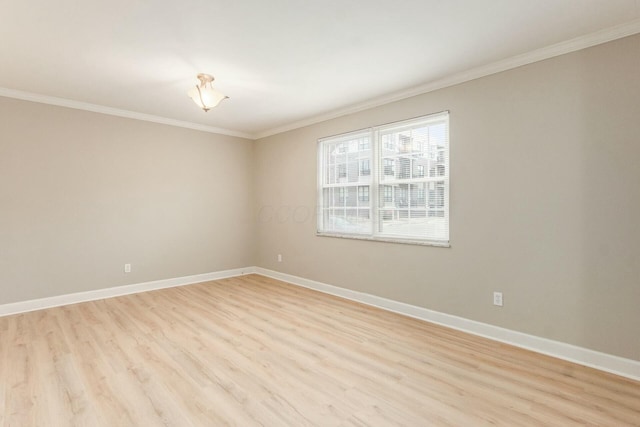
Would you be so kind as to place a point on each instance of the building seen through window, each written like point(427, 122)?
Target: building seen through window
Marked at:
point(408, 165)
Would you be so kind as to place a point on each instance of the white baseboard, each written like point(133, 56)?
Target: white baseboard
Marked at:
point(56, 301)
point(583, 356)
point(602, 361)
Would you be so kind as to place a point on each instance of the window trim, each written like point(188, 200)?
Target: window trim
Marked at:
point(376, 163)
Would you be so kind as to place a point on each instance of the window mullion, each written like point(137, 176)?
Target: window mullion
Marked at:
point(374, 196)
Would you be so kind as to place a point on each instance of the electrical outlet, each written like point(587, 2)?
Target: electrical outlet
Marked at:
point(127, 268)
point(279, 257)
point(497, 299)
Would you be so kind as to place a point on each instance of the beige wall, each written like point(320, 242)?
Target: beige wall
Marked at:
point(545, 203)
point(81, 194)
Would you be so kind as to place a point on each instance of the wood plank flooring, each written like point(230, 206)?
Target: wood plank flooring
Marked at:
point(252, 351)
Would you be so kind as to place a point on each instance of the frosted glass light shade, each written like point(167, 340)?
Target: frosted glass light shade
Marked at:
point(204, 95)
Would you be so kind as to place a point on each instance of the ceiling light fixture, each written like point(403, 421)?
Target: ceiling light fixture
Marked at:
point(205, 96)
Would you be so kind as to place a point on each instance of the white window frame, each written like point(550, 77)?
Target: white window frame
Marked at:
point(378, 179)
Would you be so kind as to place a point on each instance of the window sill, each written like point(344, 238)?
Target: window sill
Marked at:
point(384, 239)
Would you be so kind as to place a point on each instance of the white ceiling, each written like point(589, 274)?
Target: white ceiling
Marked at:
point(281, 62)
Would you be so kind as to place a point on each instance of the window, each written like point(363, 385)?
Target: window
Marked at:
point(363, 194)
point(389, 167)
point(391, 185)
point(388, 143)
point(342, 170)
point(365, 167)
point(341, 195)
point(388, 193)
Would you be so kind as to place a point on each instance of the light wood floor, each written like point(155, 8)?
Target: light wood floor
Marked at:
point(254, 351)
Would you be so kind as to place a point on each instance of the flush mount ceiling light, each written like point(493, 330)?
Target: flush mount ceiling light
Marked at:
point(204, 95)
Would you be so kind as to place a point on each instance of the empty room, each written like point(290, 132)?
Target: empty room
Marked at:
point(337, 213)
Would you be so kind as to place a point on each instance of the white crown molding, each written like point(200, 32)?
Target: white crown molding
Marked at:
point(573, 45)
point(583, 356)
point(579, 43)
point(56, 301)
point(77, 105)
